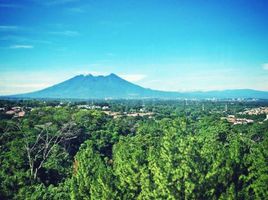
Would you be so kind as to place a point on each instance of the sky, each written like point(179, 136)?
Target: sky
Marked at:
point(174, 45)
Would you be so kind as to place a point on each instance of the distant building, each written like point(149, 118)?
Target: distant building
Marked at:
point(16, 108)
point(255, 111)
point(105, 107)
point(235, 121)
point(10, 112)
point(243, 121)
point(88, 107)
point(16, 112)
point(21, 114)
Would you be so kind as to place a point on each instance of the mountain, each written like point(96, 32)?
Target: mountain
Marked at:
point(114, 87)
point(97, 87)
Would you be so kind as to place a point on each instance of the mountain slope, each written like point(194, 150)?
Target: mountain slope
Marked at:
point(114, 87)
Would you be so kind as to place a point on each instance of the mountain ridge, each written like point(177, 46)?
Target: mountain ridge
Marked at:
point(114, 87)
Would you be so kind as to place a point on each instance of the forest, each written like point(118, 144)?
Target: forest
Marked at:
point(184, 150)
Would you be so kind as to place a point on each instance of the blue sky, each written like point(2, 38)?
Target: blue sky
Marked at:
point(177, 45)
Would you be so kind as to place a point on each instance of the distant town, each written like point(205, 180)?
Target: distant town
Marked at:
point(235, 118)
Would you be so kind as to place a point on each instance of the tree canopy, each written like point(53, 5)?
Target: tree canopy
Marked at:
point(180, 153)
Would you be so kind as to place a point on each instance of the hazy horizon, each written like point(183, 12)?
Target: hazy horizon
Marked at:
point(165, 45)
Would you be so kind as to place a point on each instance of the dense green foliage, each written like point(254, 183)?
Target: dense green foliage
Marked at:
point(180, 153)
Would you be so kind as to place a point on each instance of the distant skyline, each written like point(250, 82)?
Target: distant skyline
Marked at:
point(172, 45)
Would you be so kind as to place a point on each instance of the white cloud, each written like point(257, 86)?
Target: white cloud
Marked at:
point(17, 46)
point(14, 82)
point(18, 88)
point(94, 73)
point(29, 85)
point(66, 33)
point(133, 77)
point(265, 66)
point(110, 54)
point(8, 28)
point(21, 39)
point(53, 2)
